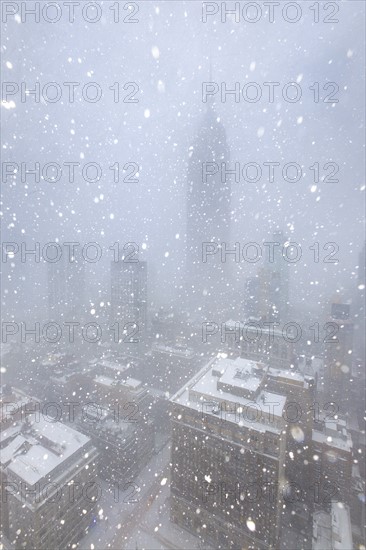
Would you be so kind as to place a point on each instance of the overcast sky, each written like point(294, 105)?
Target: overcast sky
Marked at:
point(167, 53)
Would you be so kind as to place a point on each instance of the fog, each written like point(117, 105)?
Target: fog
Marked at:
point(168, 54)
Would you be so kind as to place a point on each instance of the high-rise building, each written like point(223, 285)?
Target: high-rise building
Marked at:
point(129, 301)
point(163, 326)
point(260, 341)
point(267, 294)
point(208, 219)
point(332, 463)
point(299, 391)
point(338, 355)
point(169, 367)
point(252, 298)
point(275, 281)
point(228, 456)
point(66, 289)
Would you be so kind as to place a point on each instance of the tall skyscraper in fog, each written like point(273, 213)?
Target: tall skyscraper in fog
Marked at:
point(66, 288)
point(208, 217)
point(129, 298)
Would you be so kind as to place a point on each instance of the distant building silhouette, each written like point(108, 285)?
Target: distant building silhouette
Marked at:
point(66, 289)
point(208, 219)
point(129, 300)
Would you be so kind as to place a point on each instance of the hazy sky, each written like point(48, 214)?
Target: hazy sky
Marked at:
point(167, 54)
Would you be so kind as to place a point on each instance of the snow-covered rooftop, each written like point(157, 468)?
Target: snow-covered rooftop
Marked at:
point(174, 350)
point(337, 439)
point(207, 387)
point(129, 383)
point(332, 531)
point(341, 526)
point(133, 383)
point(46, 446)
point(105, 380)
point(113, 365)
point(289, 376)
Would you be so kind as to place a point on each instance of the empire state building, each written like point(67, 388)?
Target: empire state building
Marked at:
point(208, 220)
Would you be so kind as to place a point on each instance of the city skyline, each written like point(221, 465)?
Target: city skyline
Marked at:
point(183, 275)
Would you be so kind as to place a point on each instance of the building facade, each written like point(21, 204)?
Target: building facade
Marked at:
point(50, 473)
point(66, 288)
point(129, 303)
point(258, 341)
point(228, 454)
point(338, 355)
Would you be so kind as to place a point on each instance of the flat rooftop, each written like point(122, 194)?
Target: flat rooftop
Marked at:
point(131, 384)
point(41, 448)
point(341, 526)
point(333, 531)
point(113, 365)
point(105, 380)
point(288, 376)
point(222, 382)
point(335, 439)
point(176, 351)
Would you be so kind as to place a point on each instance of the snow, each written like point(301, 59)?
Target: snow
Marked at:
point(167, 132)
point(205, 389)
point(64, 441)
